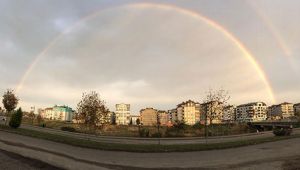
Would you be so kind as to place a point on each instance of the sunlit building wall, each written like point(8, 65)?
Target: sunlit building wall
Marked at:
point(251, 112)
point(62, 113)
point(149, 117)
point(229, 114)
point(172, 116)
point(212, 112)
point(134, 118)
point(163, 118)
point(188, 112)
point(281, 111)
point(122, 114)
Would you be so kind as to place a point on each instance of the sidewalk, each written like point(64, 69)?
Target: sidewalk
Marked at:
point(70, 157)
point(164, 141)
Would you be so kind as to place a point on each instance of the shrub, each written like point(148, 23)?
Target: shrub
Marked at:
point(16, 119)
point(198, 126)
point(67, 128)
point(144, 132)
point(174, 132)
point(156, 135)
point(282, 131)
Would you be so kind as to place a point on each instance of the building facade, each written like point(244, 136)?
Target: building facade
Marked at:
point(62, 113)
point(163, 118)
point(251, 112)
point(173, 116)
point(212, 112)
point(134, 118)
point(229, 114)
point(149, 117)
point(122, 114)
point(188, 112)
point(281, 111)
point(297, 109)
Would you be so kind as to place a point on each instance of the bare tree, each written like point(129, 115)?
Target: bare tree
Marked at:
point(213, 106)
point(91, 111)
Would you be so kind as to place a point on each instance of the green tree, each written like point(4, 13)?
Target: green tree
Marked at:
point(31, 116)
point(16, 119)
point(138, 121)
point(39, 119)
point(91, 111)
point(10, 102)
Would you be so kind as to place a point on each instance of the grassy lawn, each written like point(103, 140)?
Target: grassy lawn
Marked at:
point(139, 147)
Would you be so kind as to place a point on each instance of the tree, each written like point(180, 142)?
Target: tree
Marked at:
point(10, 101)
point(214, 105)
point(31, 116)
point(113, 119)
point(16, 119)
point(91, 110)
point(39, 119)
point(138, 122)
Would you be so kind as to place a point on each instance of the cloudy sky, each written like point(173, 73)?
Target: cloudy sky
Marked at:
point(149, 53)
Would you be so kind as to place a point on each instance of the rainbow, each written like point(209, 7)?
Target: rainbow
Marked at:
point(195, 15)
point(274, 32)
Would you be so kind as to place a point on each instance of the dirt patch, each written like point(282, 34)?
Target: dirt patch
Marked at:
point(292, 164)
point(30, 163)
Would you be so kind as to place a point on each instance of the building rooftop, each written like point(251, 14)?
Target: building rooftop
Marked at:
point(252, 103)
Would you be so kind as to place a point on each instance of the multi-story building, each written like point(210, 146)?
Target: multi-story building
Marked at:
point(188, 112)
point(149, 117)
point(229, 114)
point(173, 116)
point(281, 111)
point(251, 112)
point(163, 118)
point(62, 113)
point(122, 114)
point(297, 109)
point(134, 118)
point(212, 112)
point(108, 118)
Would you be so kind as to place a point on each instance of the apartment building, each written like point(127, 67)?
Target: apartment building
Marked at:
point(173, 116)
point(188, 112)
point(212, 111)
point(62, 113)
point(163, 118)
point(134, 118)
point(281, 111)
point(149, 117)
point(251, 112)
point(122, 114)
point(297, 109)
point(229, 114)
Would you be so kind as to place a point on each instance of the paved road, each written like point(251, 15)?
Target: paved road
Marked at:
point(11, 161)
point(273, 155)
point(168, 141)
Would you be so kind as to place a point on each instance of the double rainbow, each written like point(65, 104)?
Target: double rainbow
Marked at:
point(195, 15)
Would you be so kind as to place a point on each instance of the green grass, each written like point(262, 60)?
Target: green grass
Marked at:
point(139, 147)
